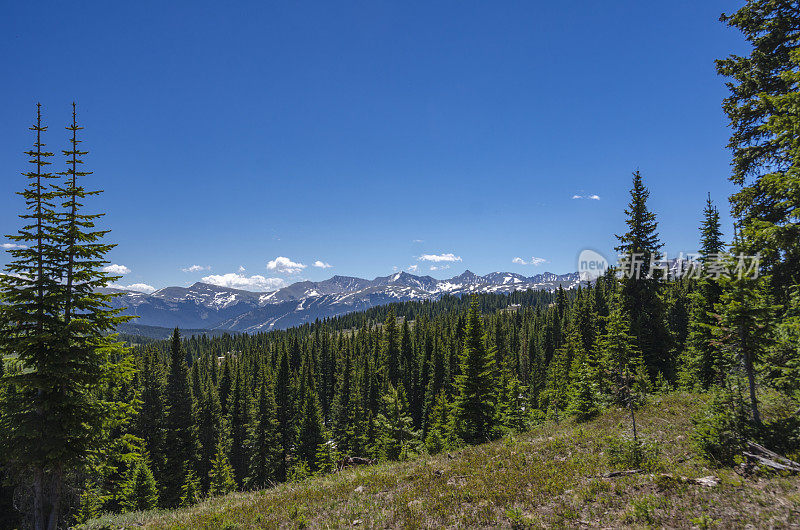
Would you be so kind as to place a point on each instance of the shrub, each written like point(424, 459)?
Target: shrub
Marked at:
point(721, 429)
point(628, 453)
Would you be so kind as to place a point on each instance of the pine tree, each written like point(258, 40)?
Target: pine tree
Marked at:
point(475, 385)
point(190, 489)
point(142, 493)
point(764, 88)
point(620, 357)
point(312, 429)
point(436, 381)
point(342, 402)
point(226, 385)
point(554, 397)
point(742, 330)
point(440, 436)
point(515, 407)
point(327, 457)
point(582, 395)
point(112, 467)
point(221, 475)
point(265, 449)
point(240, 423)
point(151, 420)
point(701, 363)
point(408, 361)
point(782, 364)
point(285, 409)
point(210, 433)
point(391, 348)
point(395, 424)
point(59, 329)
point(181, 436)
point(640, 292)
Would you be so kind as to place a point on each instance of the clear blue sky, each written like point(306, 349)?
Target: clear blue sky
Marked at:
point(367, 135)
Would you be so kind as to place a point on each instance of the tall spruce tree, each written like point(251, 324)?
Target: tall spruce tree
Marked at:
point(265, 450)
point(621, 359)
point(59, 411)
point(764, 89)
point(150, 422)
point(181, 435)
point(312, 430)
point(210, 433)
point(742, 331)
point(475, 405)
point(701, 363)
point(286, 416)
point(239, 426)
point(640, 290)
point(344, 405)
point(391, 348)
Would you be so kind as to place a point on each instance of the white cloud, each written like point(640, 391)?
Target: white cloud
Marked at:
point(241, 268)
point(594, 197)
point(417, 240)
point(439, 267)
point(117, 269)
point(590, 197)
point(12, 246)
point(322, 264)
point(196, 268)
point(283, 265)
point(413, 268)
point(534, 261)
point(437, 258)
point(247, 283)
point(138, 287)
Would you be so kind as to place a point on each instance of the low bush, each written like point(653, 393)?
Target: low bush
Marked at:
point(625, 452)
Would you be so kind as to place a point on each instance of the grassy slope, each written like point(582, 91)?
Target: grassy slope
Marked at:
point(548, 477)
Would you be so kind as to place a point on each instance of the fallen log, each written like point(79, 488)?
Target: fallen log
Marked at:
point(708, 481)
point(352, 461)
point(772, 454)
point(772, 464)
point(622, 473)
point(765, 457)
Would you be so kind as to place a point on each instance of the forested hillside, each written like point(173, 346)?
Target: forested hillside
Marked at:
point(89, 425)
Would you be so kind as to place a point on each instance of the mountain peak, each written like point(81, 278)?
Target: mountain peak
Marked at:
point(467, 277)
point(208, 306)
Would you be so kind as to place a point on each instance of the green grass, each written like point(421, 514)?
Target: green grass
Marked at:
point(549, 477)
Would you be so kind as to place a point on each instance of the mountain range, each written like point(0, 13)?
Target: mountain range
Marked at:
point(213, 307)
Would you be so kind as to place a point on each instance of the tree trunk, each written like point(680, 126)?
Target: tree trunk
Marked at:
point(751, 379)
point(38, 500)
point(55, 498)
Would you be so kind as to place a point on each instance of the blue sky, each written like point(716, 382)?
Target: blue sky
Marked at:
point(371, 135)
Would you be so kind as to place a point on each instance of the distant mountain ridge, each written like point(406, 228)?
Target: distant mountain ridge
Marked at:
point(213, 307)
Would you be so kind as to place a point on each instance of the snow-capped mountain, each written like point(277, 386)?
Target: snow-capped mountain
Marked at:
point(212, 307)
